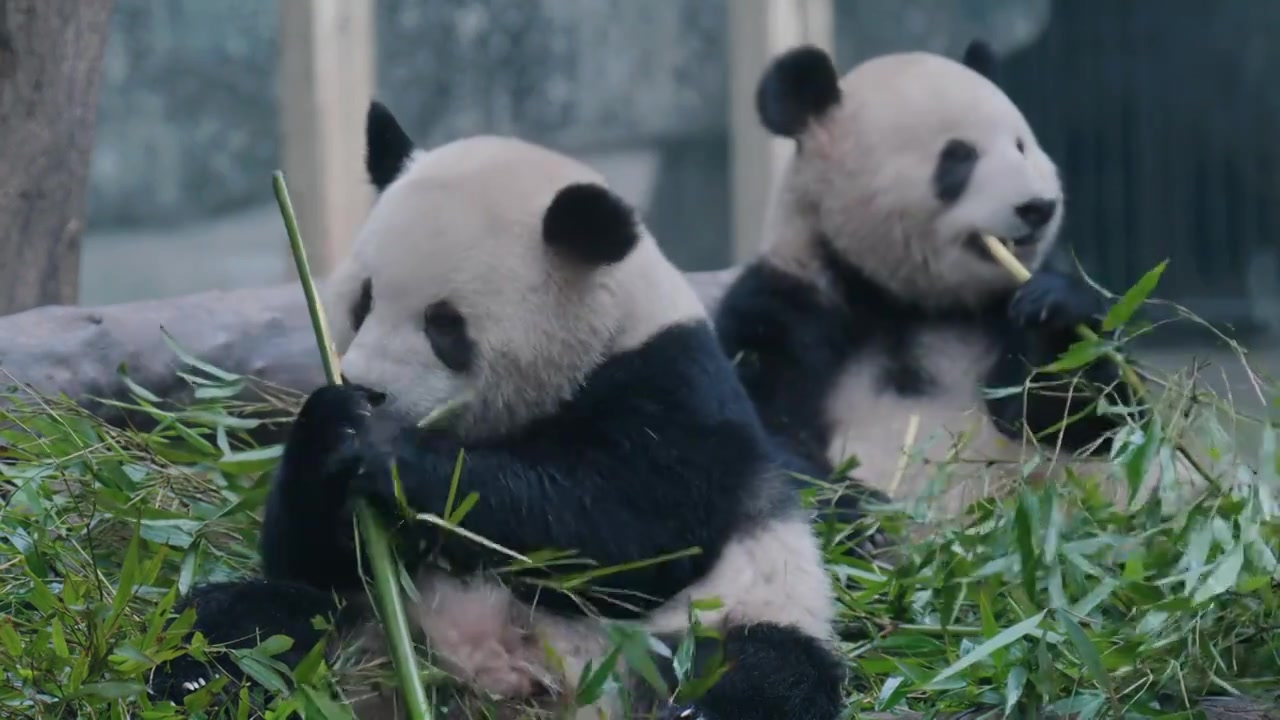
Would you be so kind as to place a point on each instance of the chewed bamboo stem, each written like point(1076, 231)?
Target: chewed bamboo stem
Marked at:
point(376, 540)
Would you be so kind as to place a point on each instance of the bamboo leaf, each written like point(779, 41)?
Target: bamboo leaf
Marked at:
point(982, 652)
point(1223, 577)
point(1128, 304)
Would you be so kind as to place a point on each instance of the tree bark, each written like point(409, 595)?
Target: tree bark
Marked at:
point(50, 65)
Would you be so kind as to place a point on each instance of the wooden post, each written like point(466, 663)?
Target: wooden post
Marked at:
point(759, 30)
point(327, 76)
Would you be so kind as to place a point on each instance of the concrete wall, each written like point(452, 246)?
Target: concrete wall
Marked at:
point(187, 132)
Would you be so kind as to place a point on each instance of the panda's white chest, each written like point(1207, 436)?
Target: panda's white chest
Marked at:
point(954, 442)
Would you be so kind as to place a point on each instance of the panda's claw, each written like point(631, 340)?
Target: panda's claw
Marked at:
point(685, 712)
point(198, 683)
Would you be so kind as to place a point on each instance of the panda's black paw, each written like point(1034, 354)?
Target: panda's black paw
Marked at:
point(1054, 301)
point(687, 711)
point(333, 426)
point(196, 683)
point(180, 677)
point(226, 693)
point(332, 407)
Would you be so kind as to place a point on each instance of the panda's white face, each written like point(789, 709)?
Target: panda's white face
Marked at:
point(989, 175)
point(495, 270)
point(917, 158)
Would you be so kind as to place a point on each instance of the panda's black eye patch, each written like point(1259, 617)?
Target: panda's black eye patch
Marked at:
point(446, 330)
point(955, 166)
point(363, 304)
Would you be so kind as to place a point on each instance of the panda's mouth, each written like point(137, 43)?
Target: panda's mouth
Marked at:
point(1021, 241)
point(978, 247)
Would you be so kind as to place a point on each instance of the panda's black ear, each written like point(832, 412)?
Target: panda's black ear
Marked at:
point(387, 146)
point(798, 85)
point(981, 58)
point(591, 224)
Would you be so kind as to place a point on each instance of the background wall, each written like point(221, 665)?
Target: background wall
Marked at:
point(188, 130)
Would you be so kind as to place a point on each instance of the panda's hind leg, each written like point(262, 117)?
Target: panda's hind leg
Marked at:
point(771, 672)
point(240, 615)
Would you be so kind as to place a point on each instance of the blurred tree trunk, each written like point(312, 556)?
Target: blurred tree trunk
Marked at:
point(50, 62)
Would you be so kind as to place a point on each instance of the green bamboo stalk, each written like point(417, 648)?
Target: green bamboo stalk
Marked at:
point(376, 540)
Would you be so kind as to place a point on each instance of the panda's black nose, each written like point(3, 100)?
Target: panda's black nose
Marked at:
point(1037, 213)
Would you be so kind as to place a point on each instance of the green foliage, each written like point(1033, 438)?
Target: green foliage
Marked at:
point(1055, 601)
point(102, 529)
point(1051, 601)
point(1048, 607)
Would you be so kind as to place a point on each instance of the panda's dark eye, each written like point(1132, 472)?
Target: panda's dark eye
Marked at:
point(363, 305)
point(446, 330)
point(1021, 148)
point(955, 167)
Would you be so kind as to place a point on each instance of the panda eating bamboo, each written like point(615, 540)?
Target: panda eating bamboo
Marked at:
point(876, 301)
point(601, 418)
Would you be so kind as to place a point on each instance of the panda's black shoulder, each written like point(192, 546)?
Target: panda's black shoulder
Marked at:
point(676, 383)
point(789, 343)
point(765, 303)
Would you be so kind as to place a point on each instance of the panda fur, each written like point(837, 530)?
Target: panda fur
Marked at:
point(602, 417)
point(875, 299)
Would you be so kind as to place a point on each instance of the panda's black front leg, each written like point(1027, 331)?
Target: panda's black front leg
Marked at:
point(306, 546)
point(1041, 325)
point(609, 492)
point(307, 532)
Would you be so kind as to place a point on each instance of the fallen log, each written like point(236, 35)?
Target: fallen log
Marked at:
point(264, 333)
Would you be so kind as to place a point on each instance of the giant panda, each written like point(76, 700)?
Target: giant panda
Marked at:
point(875, 299)
point(600, 416)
